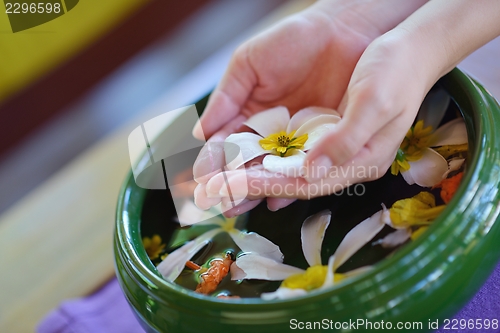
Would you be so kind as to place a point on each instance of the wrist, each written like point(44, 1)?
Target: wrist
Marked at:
point(445, 32)
point(426, 66)
point(371, 18)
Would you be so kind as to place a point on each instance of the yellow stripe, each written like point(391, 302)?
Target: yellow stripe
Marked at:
point(29, 54)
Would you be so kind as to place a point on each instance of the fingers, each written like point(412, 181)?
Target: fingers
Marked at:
point(275, 204)
point(249, 186)
point(201, 200)
point(211, 158)
point(256, 184)
point(364, 116)
point(231, 210)
point(228, 98)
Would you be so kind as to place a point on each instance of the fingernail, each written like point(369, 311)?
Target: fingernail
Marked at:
point(318, 168)
point(214, 186)
point(202, 200)
point(198, 131)
point(278, 203)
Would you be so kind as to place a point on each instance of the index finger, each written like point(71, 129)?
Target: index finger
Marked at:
point(211, 158)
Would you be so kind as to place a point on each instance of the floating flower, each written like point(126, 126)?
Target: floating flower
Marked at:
point(410, 217)
point(282, 139)
point(419, 210)
point(173, 264)
point(153, 246)
point(296, 281)
point(416, 159)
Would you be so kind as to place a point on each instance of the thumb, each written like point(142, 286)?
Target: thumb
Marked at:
point(363, 118)
point(229, 96)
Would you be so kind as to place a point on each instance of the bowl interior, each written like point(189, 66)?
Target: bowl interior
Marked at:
point(154, 213)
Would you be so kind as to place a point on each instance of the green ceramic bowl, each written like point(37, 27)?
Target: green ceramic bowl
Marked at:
point(428, 279)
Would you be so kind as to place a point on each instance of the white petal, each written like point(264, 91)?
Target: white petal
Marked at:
point(408, 177)
point(290, 166)
point(250, 266)
point(434, 107)
point(428, 170)
point(316, 128)
point(256, 244)
point(312, 234)
point(270, 121)
point(330, 275)
point(451, 133)
point(358, 237)
point(357, 271)
point(174, 263)
point(394, 238)
point(454, 165)
point(283, 293)
point(241, 148)
point(306, 114)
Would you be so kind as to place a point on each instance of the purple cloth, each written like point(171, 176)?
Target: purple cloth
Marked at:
point(107, 311)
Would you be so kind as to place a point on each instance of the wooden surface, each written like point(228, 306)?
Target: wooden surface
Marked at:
point(56, 243)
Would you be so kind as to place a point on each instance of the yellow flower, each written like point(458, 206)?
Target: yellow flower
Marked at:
point(412, 148)
point(282, 143)
point(417, 233)
point(153, 246)
point(417, 138)
point(419, 158)
point(419, 210)
point(282, 139)
point(313, 278)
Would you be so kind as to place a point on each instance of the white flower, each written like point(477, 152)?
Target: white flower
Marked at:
point(174, 263)
point(298, 281)
point(282, 138)
point(416, 159)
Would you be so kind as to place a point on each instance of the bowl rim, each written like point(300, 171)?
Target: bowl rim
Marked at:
point(480, 129)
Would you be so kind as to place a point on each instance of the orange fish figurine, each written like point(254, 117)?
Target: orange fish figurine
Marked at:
point(210, 280)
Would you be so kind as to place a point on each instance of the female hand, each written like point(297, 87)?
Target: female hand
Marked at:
point(308, 59)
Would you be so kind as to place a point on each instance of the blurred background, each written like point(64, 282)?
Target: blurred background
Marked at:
point(71, 81)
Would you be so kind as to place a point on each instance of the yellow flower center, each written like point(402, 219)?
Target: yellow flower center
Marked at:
point(282, 143)
point(312, 278)
point(228, 224)
point(411, 149)
point(420, 210)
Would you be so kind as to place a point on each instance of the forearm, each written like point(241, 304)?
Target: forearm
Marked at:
point(369, 17)
point(444, 32)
